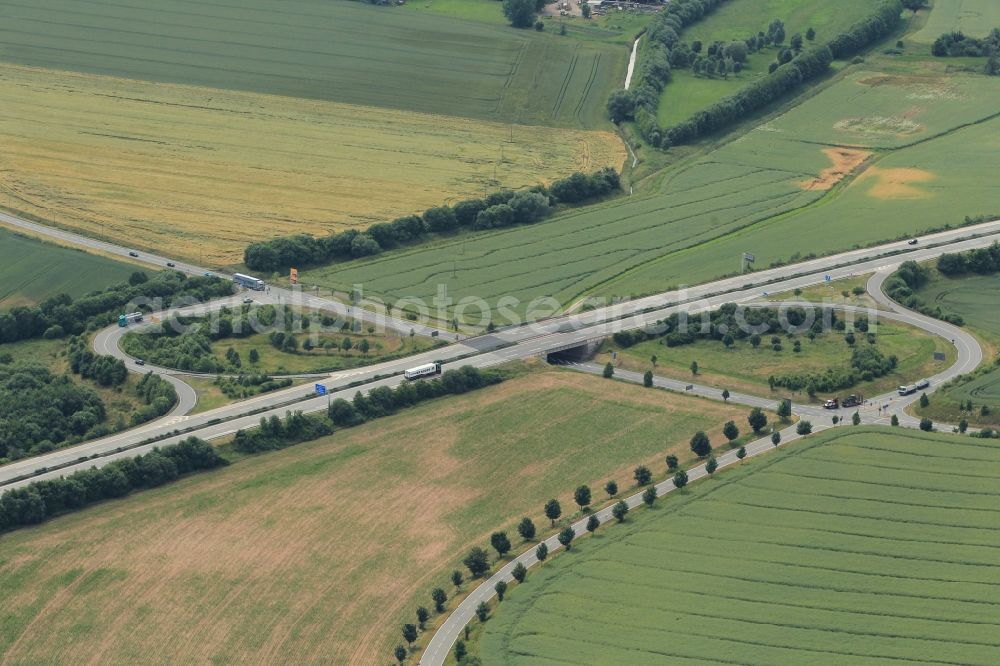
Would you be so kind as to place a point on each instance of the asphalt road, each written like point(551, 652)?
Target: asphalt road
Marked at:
point(969, 356)
point(446, 635)
point(522, 341)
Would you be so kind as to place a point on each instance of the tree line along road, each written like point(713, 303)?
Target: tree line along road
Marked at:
point(498, 347)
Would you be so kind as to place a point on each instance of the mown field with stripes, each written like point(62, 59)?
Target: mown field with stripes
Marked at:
point(863, 546)
point(330, 50)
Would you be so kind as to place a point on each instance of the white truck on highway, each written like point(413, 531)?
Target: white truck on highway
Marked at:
point(425, 370)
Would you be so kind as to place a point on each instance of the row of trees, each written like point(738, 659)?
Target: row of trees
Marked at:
point(984, 260)
point(755, 95)
point(500, 209)
point(383, 401)
point(730, 323)
point(41, 500)
point(479, 562)
point(884, 18)
point(785, 74)
point(275, 433)
point(61, 315)
point(663, 52)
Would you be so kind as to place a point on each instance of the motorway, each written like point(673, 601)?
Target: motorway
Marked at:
point(508, 344)
point(518, 342)
point(876, 410)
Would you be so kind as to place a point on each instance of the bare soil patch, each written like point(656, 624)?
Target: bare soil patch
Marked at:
point(845, 161)
point(897, 183)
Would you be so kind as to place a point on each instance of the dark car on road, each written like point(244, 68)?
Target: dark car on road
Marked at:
point(170, 264)
point(133, 254)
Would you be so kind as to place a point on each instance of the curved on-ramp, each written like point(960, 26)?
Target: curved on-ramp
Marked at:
point(969, 356)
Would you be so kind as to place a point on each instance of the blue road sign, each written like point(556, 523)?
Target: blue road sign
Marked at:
point(828, 278)
point(320, 389)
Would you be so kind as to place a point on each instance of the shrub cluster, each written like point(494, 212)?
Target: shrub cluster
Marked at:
point(41, 500)
point(61, 315)
point(902, 287)
point(274, 433)
point(157, 394)
point(956, 44)
point(500, 209)
point(105, 370)
point(383, 401)
point(984, 260)
point(867, 363)
point(244, 386)
point(40, 411)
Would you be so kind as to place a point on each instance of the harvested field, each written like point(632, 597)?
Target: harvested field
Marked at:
point(319, 552)
point(845, 161)
point(204, 171)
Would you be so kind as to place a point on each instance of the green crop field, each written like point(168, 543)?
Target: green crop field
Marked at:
point(973, 17)
point(974, 298)
point(861, 546)
point(32, 270)
point(735, 21)
point(776, 192)
point(331, 50)
point(743, 368)
point(320, 552)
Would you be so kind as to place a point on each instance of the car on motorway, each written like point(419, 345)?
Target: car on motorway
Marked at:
point(139, 361)
point(912, 241)
point(133, 254)
point(170, 264)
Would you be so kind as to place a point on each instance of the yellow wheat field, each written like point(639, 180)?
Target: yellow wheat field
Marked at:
point(199, 172)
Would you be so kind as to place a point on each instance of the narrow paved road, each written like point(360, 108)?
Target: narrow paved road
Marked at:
point(969, 356)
